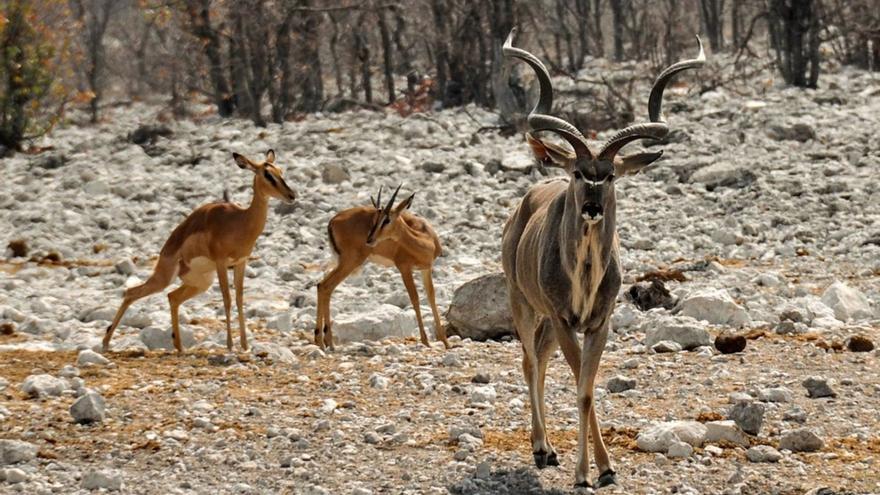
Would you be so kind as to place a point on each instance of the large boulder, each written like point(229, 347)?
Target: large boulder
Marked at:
point(848, 303)
point(386, 320)
point(480, 309)
point(715, 306)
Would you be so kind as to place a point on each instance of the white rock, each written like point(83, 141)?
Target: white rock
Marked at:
point(666, 346)
point(108, 480)
point(619, 384)
point(687, 336)
point(848, 303)
point(126, 267)
point(763, 453)
point(818, 386)
point(715, 306)
point(484, 394)
point(44, 386)
point(747, 415)
point(88, 409)
point(328, 406)
point(727, 431)
point(777, 394)
point(89, 357)
point(379, 381)
point(15, 451)
point(15, 475)
point(156, 338)
point(383, 321)
point(678, 449)
point(659, 437)
point(278, 353)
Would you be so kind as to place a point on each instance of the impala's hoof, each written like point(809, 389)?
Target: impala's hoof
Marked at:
point(544, 459)
point(609, 477)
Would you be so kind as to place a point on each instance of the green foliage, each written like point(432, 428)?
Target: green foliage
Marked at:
point(27, 79)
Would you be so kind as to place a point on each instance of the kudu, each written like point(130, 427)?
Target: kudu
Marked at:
point(560, 254)
point(387, 236)
point(211, 239)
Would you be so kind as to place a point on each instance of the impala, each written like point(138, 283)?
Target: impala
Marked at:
point(560, 254)
point(210, 240)
point(387, 236)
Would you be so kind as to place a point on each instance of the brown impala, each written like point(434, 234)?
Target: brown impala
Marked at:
point(210, 240)
point(388, 236)
point(561, 258)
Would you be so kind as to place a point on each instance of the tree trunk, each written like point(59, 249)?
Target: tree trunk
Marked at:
point(200, 19)
point(617, 21)
point(387, 55)
point(441, 50)
point(362, 53)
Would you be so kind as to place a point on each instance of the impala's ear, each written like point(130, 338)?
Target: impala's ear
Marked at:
point(634, 163)
point(549, 154)
point(243, 162)
point(270, 156)
point(405, 204)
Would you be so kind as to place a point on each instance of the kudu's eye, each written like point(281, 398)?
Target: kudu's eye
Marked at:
point(577, 175)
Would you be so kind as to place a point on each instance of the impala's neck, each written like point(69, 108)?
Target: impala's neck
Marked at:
point(416, 243)
point(257, 212)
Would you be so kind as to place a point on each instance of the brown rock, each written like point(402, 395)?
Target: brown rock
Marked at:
point(729, 343)
point(858, 343)
point(18, 247)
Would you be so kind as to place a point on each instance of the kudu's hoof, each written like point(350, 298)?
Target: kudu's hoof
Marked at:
point(609, 477)
point(544, 459)
point(583, 484)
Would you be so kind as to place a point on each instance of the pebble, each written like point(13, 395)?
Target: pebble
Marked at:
point(484, 394)
point(89, 357)
point(858, 343)
point(818, 387)
point(15, 475)
point(482, 376)
point(379, 381)
point(678, 449)
point(619, 383)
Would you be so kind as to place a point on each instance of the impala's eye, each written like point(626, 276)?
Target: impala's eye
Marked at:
point(386, 221)
point(269, 178)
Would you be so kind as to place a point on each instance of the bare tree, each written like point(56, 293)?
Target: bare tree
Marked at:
point(712, 19)
point(94, 15)
point(794, 34)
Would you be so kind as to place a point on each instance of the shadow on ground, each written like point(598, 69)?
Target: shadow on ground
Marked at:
point(518, 481)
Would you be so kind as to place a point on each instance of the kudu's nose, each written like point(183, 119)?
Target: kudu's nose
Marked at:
point(591, 211)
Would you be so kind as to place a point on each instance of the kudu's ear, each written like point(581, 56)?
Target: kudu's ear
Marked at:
point(635, 162)
point(243, 162)
point(549, 154)
point(270, 156)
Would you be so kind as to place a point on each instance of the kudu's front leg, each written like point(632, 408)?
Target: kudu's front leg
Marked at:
point(591, 353)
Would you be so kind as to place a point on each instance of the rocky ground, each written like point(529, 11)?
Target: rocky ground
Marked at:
point(761, 220)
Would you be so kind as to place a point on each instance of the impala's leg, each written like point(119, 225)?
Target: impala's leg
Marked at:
point(545, 344)
point(323, 323)
point(162, 276)
point(223, 279)
point(594, 344)
point(406, 273)
point(428, 282)
point(238, 275)
point(175, 299)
